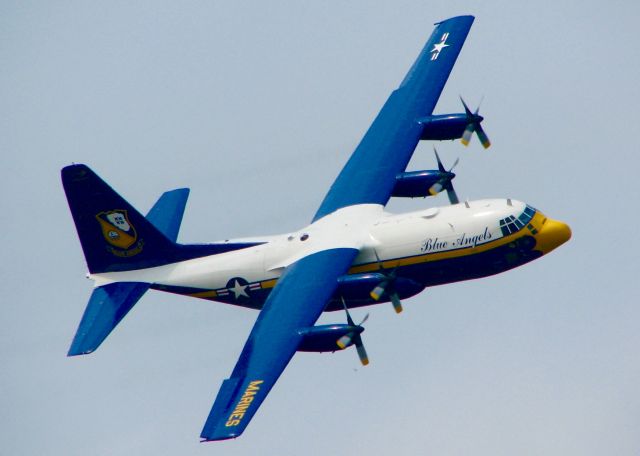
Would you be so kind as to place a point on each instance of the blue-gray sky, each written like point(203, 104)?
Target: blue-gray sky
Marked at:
point(256, 106)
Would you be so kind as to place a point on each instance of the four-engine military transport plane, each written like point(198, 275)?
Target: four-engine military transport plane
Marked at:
point(352, 254)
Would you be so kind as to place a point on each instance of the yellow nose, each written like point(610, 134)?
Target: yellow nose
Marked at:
point(553, 234)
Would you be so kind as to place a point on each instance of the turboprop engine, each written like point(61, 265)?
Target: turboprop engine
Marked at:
point(453, 126)
point(417, 184)
point(324, 338)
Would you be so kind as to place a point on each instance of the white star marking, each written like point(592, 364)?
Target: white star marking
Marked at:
point(238, 290)
point(438, 47)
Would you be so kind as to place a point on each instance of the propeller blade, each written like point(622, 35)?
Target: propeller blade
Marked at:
point(445, 182)
point(362, 353)
point(440, 167)
point(435, 189)
point(378, 291)
point(473, 124)
point(466, 108)
point(466, 136)
point(349, 319)
point(451, 193)
point(395, 300)
point(482, 136)
point(347, 339)
point(344, 341)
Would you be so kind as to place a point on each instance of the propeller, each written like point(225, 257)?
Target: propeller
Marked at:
point(445, 182)
point(354, 337)
point(386, 286)
point(473, 124)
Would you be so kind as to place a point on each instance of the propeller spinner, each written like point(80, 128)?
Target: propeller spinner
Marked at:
point(474, 121)
point(445, 183)
point(346, 340)
point(386, 286)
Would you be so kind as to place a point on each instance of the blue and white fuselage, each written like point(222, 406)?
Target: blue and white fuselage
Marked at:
point(428, 247)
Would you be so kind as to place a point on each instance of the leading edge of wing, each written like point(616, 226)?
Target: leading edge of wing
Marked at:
point(386, 148)
point(295, 303)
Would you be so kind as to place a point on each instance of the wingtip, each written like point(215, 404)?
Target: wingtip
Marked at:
point(217, 439)
point(79, 348)
point(71, 354)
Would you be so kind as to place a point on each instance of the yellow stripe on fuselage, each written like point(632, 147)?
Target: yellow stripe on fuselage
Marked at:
point(269, 283)
point(204, 294)
point(437, 256)
point(537, 221)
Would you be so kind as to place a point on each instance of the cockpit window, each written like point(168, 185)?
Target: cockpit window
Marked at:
point(511, 224)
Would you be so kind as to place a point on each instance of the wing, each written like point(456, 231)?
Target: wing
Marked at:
point(295, 303)
point(385, 150)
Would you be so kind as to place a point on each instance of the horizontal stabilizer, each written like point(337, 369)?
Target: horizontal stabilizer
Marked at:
point(106, 308)
point(166, 214)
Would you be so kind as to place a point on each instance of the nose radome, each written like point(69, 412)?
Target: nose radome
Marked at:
point(553, 234)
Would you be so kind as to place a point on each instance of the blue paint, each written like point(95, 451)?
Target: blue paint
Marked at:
point(444, 126)
point(166, 215)
point(415, 184)
point(369, 175)
point(324, 338)
point(92, 201)
point(107, 307)
point(296, 302)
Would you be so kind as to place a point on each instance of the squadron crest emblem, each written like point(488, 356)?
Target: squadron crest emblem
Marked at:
point(119, 232)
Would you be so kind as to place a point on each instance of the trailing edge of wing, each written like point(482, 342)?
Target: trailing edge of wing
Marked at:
point(295, 303)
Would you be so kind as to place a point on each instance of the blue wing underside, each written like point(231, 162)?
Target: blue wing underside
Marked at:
point(304, 289)
point(385, 150)
point(295, 303)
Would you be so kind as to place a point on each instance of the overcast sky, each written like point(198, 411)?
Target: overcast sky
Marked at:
point(256, 106)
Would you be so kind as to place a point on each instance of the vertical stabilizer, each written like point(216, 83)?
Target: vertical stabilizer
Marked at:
point(113, 234)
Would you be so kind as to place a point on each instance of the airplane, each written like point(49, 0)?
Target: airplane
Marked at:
point(353, 253)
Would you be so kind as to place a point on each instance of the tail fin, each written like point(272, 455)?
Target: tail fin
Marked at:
point(113, 234)
point(116, 237)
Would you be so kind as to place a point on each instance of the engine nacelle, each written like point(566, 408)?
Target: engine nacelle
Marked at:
point(324, 338)
point(356, 290)
point(444, 126)
point(416, 184)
